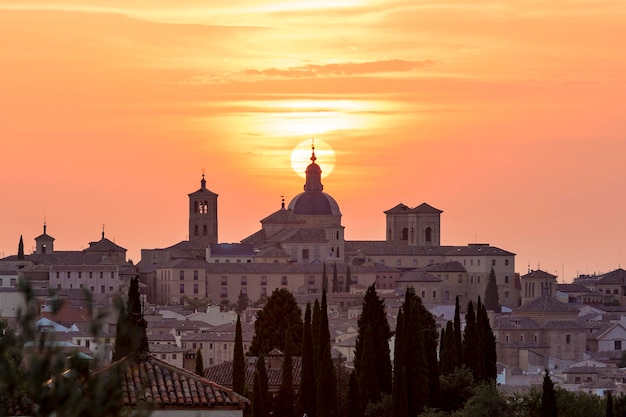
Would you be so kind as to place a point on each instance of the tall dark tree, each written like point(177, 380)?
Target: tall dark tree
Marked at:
point(286, 395)
point(472, 346)
point(261, 400)
point(199, 363)
point(242, 302)
point(354, 405)
point(131, 326)
point(20, 249)
point(335, 279)
point(492, 300)
point(348, 279)
point(488, 343)
point(315, 336)
point(369, 388)
point(448, 359)
point(458, 333)
point(281, 312)
point(610, 412)
point(548, 398)
point(307, 394)
point(324, 278)
point(431, 341)
point(326, 403)
point(374, 314)
point(417, 377)
point(399, 405)
point(239, 361)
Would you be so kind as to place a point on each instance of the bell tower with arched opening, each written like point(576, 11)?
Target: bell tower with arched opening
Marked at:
point(203, 216)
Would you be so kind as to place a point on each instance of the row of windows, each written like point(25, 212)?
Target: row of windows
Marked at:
point(244, 280)
point(80, 274)
point(12, 282)
point(92, 288)
point(181, 275)
point(195, 288)
point(242, 290)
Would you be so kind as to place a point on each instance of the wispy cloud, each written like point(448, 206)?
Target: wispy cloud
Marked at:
point(345, 69)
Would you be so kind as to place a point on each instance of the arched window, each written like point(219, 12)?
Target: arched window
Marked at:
point(206, 207)
point(428, 234)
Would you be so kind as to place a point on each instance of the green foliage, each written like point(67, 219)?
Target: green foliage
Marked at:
point(492, 300)
point(47, 381)
point(456, 388)
point(448, 358)
point(199, 363)
point(239, 361)
point(610, 412)
point(369, 389)
point(354, 402)
point(472, 345)
point(579, 404)
point(281, 312)
point(195, 305)
point(458, 335)
point(622, 360)
point(242, 302)
point(487, 401)
point(307, 393)
point(381, 408)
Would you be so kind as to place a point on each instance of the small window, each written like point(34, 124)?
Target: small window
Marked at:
point(101, 275)
point(90, 274)
point(244, 280)
point(398, 262)
point(224, 292)
point(263, 291)
point(80, 274)
point(283, 280)
point(244, 290)
point(263, 280)
point(182, 288)
point(68, 274)
point(195, 275)
point(506, 262)
point(568, 339)
point(173, 356)
point(506, 279)
point(506, 294)
point(224, 280)
point(434, 294)
point(460, 279)
point(618, 345)
point(195, 288)
point(305, 254)
point(311, 279)
point(493, 262)
point(181, 274)
point(414, 262)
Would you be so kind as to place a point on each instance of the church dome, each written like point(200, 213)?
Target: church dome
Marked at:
point(313, 200)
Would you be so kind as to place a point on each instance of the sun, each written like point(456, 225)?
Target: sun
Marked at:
point(301, 157)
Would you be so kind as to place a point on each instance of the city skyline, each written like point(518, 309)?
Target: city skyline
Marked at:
point(507, 116)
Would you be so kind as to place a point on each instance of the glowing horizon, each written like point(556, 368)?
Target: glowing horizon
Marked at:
point(507, 116)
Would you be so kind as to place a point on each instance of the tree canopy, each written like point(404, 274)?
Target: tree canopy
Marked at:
point(281, 312)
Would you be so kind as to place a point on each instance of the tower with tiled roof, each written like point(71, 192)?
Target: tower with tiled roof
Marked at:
point(203, 216)
point(419, 226)
point(44, 242)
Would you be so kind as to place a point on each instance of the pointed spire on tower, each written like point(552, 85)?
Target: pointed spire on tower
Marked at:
point(282, 202)
point(203, 181)
point(313, 173)
point(102, 230)
point(313, 157)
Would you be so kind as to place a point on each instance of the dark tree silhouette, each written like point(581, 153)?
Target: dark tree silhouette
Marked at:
point(374, 314)
point(307, 394)
point(548, 398)
point(324, 278)
point(239, 361)
point(131, 326)
point(285, 397)
point(326, 403)
point(348, 279)
point(335, 279)
point(472, 346)
point(281, 312)
point(458, 335)
point(492, 300)
point(20, 249)
point(199, 363)
point(488, 343)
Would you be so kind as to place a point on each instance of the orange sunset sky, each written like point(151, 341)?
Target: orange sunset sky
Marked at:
point(508, 116)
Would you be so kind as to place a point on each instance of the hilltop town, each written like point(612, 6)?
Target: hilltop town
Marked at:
point(193, 290)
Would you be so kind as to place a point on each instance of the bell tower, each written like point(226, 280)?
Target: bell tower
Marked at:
point(203, 216)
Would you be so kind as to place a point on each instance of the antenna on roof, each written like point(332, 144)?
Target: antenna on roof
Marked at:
point(102, 230)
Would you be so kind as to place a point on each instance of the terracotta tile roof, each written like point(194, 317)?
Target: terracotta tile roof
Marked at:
point(617, 276)
point(546, 304)
point(381, 247)
point(538, 273)
point(104, 245)
point(156, 382)
point(223, 373)
point(283, 216)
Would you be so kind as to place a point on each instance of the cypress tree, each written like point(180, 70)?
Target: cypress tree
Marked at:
point(548, 398)
point(326, 379)
point(199, 363)
point(285, 397)
point(609, 412)
point(20, 249)
point(472, 349)
point(448, 360)
point(131, 327)
point(348, 279)
point(431, 340)
point(315, 337)
point(458, 338)
point(239, 361)
point(260, 405)
point(488, 344)
point(335, 279)
point(399, 406)
point(324, 278)
point(354, 405)
point(374, 314)
point(492, 300)
point(307, 393)
point(417, 381)
point(369, 389)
